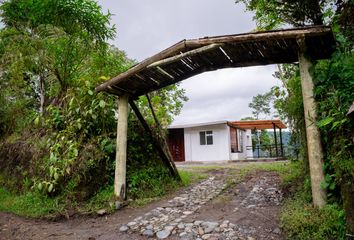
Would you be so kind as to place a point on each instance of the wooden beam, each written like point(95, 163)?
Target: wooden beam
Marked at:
point(135, 69)
point(314, 147)
point(166, 159)
point(183, 55)
point(121, 150)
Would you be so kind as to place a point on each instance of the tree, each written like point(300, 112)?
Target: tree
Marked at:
point(276, 13)
point(261, 104)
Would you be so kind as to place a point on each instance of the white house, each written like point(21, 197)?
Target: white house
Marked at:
point(215, 141)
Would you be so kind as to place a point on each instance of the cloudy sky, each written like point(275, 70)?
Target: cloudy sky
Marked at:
point(146, 27)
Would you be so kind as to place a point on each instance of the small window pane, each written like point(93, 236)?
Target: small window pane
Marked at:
point(202, 138)
point(210, 140)
point(209, 132)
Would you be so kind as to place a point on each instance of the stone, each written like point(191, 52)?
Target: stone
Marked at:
point(197, 223)
point(223, 225)
point(149, 227)
point(180, 226)
point(148, 233)
point(130, 224)
point(209, 226)
point(277, 231)
point(118, 205)
point(101, 212)
point(200, 231)
point(187, 212)
point(206, 236)
point(124, 228)
point(250, 238)
point(169, 228)
point(163, 234)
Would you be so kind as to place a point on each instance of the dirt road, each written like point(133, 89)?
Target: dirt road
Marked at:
point(212, 209)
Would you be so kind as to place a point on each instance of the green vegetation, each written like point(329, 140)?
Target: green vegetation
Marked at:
point(31, 204)
point(57, 135)
point(334, 94)
point(299, 219)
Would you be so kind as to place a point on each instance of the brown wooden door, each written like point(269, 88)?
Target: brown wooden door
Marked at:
point(176, 144)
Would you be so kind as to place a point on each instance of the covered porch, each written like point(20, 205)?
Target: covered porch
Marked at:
point(259, 149)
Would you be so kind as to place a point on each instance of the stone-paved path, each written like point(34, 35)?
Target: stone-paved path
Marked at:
point(177, 220)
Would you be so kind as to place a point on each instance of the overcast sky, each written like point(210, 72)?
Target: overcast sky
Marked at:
point(146, 27)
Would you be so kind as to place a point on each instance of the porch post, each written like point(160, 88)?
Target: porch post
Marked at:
point(121, 149)
point(281, 143)
point(314, 147)
point(275, 140)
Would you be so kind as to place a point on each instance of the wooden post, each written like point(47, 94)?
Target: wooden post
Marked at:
point(275, 141)
point(314, 147)
point(121, 152)
point(162, 151)
point(281, 143)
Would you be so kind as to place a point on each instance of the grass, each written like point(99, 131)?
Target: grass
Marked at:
point(30, 204)
point(299, 219)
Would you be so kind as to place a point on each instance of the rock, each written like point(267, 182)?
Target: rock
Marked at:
point(118, 205)
point(130, 224)
point(149, 227)
point(200, 231)
point(250, 238)
point(124, 228)
point(148, 233)
point(169, 228)
point(206, 236)
point(178, 220)
point(209, 226)
point(187, 212)
point(277, 231)
point(197, 223)
point(180, 226)
point(101, 212)
point(163, 234)
point(223, 225)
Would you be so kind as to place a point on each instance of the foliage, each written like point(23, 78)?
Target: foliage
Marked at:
point(274, 14)
point(53, 54)
point(261, 105)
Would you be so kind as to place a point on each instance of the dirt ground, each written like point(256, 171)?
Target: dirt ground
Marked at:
point(253, 205)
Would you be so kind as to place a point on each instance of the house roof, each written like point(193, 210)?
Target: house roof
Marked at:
point(254, 124)
point(198, 124)
point(258, 124)
point(191, 57)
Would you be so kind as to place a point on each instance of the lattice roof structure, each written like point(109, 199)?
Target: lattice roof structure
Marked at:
point(191, 57)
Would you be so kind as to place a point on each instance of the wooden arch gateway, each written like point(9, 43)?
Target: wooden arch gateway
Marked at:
point(191, 57)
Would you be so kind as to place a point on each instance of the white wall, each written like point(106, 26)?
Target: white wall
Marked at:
point(220, 150)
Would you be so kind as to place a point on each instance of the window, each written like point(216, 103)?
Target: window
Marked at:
point(206, 138)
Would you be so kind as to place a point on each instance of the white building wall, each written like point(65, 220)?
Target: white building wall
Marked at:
point(220, 150)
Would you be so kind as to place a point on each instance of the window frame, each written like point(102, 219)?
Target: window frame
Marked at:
point(206, 137)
